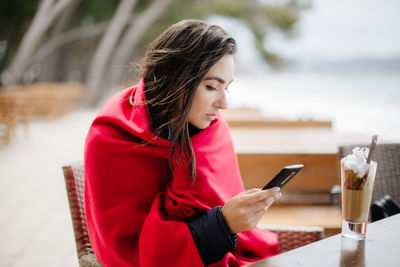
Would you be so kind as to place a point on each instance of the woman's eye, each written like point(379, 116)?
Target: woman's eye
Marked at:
point(211, 88)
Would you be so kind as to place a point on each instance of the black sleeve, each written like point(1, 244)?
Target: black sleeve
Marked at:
point(212, 236)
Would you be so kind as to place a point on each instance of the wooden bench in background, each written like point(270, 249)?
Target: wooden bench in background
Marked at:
point(21, 103)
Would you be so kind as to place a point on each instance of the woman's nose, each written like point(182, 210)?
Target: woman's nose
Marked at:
point(221, 102)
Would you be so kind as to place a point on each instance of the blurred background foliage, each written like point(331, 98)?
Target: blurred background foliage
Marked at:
point(69, 58)
point(257, 16)
point(15, 17)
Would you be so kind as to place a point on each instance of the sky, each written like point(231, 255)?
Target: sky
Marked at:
point(343, 29)
point(330, 31)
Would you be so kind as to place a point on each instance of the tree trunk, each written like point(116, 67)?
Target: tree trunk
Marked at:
point(131, 38)
point(50, 70)
point(69, 36)
point(46, 14)
point(94, 89)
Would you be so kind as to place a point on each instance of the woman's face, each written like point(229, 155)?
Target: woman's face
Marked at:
point(210, 96)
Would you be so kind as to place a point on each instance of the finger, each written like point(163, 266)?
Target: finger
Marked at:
point(260, 195)
point(247, 197)
point(247, 193)
point(268, 203)
point(271, 201)
point(258, 216)
point(260, 206)
point(265, 203)
point(250, 192)
point(254, 217)
point(276, 196)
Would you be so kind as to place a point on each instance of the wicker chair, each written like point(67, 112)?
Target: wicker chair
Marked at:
point(290, 237)
point(74, 182)
point(387, 174)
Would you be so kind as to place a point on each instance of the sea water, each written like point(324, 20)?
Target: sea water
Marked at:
point(356, 103)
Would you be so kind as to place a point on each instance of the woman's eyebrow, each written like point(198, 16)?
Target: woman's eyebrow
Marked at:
point(218, 79)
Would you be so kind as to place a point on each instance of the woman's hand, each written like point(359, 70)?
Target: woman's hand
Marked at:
point(244, 211)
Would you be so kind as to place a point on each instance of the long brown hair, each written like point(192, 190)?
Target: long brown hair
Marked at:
point(174, 66)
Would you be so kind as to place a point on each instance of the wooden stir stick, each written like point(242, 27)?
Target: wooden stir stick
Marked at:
point(372, 147)
point(363, 180)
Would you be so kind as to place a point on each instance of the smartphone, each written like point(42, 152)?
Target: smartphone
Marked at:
point(284, 176)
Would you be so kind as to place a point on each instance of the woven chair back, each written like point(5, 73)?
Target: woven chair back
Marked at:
point(74, 182)
point(291, 237)
point(387, 179)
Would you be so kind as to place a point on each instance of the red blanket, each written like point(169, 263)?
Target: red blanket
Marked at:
point(136, 207)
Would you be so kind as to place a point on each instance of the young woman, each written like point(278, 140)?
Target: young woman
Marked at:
point(162, 184)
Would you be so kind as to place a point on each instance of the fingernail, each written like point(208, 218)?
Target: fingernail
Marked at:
point(276, 189)
point(279, 195)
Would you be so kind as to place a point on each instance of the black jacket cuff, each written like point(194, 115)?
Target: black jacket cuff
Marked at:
point(211, 235)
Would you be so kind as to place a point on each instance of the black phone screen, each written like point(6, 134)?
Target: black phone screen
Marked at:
point(284, 176)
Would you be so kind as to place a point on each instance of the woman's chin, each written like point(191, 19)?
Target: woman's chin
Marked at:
point(203, 125)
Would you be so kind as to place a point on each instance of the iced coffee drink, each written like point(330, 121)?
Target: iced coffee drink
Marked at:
point(357, 178)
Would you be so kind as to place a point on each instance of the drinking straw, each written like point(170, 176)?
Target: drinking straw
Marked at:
point(371, 148)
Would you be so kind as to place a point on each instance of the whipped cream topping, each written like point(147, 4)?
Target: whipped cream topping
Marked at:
point(357, 161)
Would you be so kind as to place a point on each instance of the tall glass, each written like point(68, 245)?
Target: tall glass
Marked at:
point(356, 200)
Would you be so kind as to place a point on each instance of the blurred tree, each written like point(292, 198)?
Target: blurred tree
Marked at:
point(133, 36)
point(95, 40)
point(260, 17)
point(95, 83)
point(103, 51)
point(15, 16)
point(47, 12)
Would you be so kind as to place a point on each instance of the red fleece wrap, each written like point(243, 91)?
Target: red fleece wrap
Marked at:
point(136, 207)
